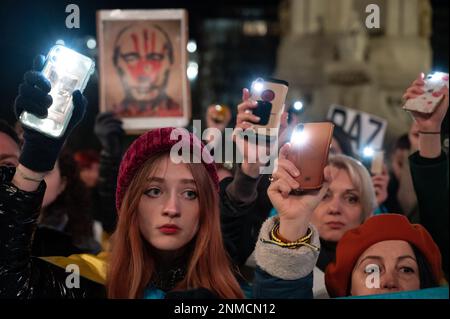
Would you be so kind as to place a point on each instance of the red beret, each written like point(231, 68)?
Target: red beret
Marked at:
point(376, 229)
point(155, 141)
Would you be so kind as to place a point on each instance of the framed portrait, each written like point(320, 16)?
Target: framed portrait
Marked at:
point(142, 64)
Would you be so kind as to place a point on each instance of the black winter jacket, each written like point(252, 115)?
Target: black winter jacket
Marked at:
point(24, 276)
point(431, 183)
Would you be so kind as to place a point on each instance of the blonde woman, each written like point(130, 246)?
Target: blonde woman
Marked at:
point(344, 203)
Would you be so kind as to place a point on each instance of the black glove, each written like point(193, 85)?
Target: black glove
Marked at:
point(109, 131)
point(40, 152)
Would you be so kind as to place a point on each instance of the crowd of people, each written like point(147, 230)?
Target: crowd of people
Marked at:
point(140, 225)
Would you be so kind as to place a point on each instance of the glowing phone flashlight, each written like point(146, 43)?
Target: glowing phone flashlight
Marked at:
point(368, 151)
point(435, 76)
point(373, 160)
point(67, 71)
point(299, 136)
point(435, 81)
point(298, 105)
point(258, 85)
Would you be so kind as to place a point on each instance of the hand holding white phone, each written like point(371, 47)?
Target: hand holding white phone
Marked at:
point(432, 96)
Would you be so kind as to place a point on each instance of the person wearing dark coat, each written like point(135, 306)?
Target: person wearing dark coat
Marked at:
point(429, 171)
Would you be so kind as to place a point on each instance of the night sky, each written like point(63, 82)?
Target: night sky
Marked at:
point(31, 27)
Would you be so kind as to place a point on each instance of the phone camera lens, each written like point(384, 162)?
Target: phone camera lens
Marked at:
point(267, 95)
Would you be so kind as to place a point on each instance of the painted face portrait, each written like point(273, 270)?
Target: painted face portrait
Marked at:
point(142, 68)
point(143, 57)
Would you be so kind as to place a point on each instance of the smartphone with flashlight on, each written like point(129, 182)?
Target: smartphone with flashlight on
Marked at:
point(310, 145)
point(373, 160)
point(270, 94)
point(430, 99)
point(67, 71)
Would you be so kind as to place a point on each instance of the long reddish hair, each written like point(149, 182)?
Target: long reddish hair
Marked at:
point(132, 263)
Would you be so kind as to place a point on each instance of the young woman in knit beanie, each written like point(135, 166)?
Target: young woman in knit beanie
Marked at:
point(168, 235)
point(168, 241)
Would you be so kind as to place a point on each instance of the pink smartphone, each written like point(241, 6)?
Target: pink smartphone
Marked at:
point(310, 145)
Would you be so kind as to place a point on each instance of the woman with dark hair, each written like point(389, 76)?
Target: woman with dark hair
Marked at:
point(65, 222)
point(65, 226)
point(397, 255)
point(9, 145)
point(88, 162)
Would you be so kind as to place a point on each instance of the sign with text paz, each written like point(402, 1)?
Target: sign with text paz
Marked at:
point(364, 129)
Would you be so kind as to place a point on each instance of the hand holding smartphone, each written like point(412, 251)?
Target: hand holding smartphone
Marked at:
point(310, 145)
point(430, 99)
point(270, 94)
point(67, 71)
point(374, 162)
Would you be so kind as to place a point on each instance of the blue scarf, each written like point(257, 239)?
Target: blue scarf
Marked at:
point(154, 293)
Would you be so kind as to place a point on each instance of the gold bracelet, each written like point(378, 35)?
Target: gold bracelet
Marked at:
point(24, 176)
point(304, 241)
point(275, 234)
point(290, 246)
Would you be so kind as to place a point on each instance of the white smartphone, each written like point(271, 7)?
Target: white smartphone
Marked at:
point(67, 71)
point(430, 99)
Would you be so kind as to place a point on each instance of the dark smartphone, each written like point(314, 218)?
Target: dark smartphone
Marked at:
point(263, 110)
